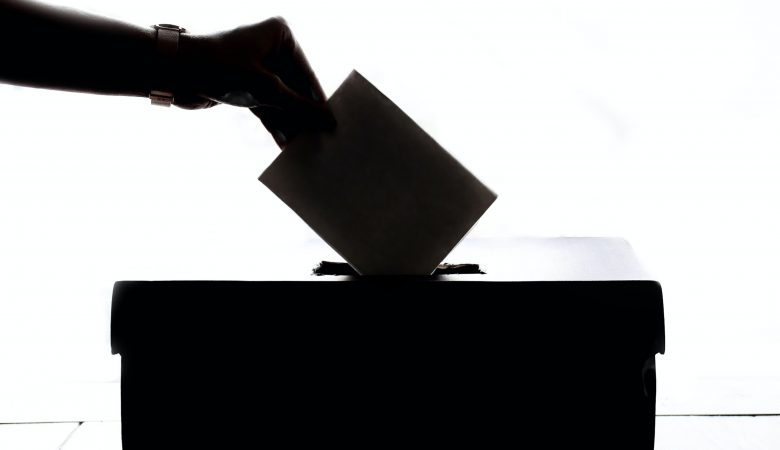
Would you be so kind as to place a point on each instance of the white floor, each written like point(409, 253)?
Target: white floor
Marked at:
point(717, 433)
point(672, 433)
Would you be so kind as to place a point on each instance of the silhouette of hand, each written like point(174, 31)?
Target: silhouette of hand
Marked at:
point(260, 67)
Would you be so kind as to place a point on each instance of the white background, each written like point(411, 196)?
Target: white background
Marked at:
point(654, 121)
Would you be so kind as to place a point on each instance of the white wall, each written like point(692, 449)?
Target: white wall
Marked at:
point(656, 121)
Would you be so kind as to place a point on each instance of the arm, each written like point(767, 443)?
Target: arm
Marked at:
point(58, 48)
point(259, 66)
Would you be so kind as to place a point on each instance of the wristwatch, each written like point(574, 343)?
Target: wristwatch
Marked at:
point(164, 63)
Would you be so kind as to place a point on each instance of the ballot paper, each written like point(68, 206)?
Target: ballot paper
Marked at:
point(377, 188)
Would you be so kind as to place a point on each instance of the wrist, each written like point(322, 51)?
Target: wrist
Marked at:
point(192, 64)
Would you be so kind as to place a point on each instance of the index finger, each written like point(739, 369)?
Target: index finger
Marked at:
point(294, 69)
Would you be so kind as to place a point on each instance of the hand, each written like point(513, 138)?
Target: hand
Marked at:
point(260, 67)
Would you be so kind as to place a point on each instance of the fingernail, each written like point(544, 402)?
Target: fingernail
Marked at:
point(280, 138)
point(315, 95)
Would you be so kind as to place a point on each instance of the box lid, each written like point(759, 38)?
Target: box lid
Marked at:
point(588, 289)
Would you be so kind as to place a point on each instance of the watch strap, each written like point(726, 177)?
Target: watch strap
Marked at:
point(167, 46)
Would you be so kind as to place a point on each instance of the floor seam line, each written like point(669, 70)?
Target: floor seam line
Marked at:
point(721, 415)
point(67, 438)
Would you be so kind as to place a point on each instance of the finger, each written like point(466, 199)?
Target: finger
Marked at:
point(268, 116)
point(299, 111)
point(297, 73)
point(294, 69)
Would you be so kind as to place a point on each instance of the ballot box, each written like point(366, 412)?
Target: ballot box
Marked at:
point(554, 346)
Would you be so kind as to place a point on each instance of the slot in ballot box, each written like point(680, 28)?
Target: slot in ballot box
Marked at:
point(556, 344)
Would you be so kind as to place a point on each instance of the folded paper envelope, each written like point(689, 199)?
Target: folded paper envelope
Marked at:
point(378, 189)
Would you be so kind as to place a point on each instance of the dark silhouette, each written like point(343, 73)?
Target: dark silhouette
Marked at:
point(388, 363)
point(258, 66)
point(446, 361)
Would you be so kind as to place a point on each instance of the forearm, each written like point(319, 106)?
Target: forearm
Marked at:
point(258, 66)
point(58, 48)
